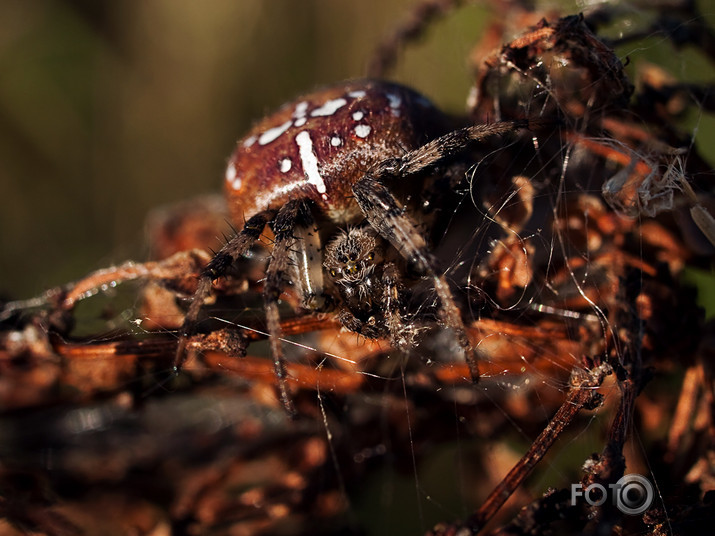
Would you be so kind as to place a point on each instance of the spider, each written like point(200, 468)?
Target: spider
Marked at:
point(319, 172)
point(600, 289)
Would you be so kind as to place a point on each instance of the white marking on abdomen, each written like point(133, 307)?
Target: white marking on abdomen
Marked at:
point(310, 161)
point(357, 94)
point(249, 141)
point(272, 133)
point(335, 141)
point(232, 177)
point(230, 172)
point(395, 103)
point(299, 113)
point(362, 131)
point(329, 108)
point(286, 164)
point(300, 109)
point(358, 115)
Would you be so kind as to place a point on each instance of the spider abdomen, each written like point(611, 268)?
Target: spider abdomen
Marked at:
point(319, 145)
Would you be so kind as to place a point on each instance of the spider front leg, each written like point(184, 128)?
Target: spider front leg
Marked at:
point(386, 216)
point(293, 218)
point(219, 265)
point(446, 146)
point(402, 336)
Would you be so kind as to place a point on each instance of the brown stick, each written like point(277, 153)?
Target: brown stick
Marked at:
point(582, 394)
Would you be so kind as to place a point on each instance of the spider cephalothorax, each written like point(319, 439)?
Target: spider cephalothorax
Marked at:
point(354, 260)
point(324, 161)
point(351, 258)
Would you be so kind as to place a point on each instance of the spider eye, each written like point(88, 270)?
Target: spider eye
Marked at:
point(371, 256)
point(352, 268)
point(333, 272)
point(353, 256)
point(343, 259)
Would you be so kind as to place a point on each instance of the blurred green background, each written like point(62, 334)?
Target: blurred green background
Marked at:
point(108, 109)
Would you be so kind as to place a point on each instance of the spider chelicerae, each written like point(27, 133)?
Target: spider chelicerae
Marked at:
point(317, 172)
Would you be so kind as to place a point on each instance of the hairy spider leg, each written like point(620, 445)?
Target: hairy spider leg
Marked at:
point(448, 145)
point(401, 335)
point(308, 268)
point(219, 265)
point(292, 260)
point(388, 218)
point(278, 275)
